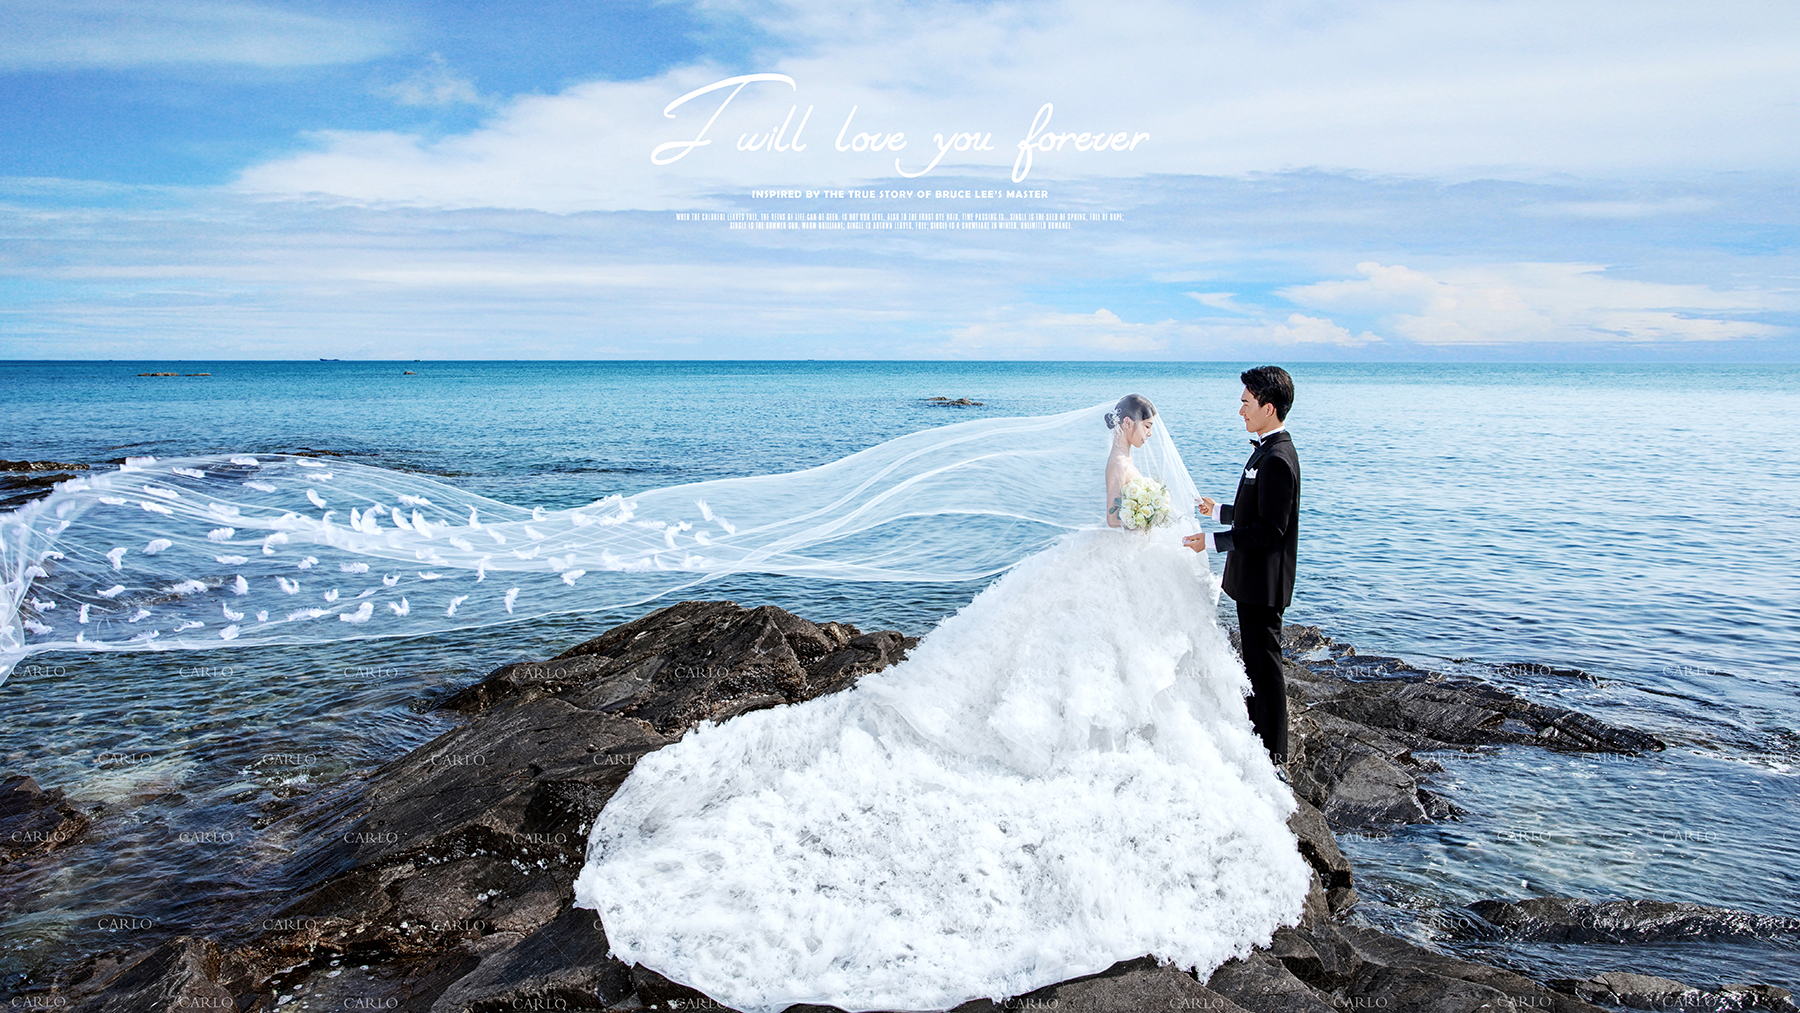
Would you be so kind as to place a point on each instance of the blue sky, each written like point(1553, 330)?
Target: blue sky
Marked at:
point(1425, 180)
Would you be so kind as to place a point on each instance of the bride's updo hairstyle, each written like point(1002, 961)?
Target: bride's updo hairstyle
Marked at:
point(1132, 406)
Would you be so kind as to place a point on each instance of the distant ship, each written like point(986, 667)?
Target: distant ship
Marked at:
point(323, 359)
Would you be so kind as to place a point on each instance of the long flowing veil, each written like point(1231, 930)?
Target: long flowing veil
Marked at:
point(231, 550)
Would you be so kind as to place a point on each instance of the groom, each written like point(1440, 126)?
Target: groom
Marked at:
point(1262, 545)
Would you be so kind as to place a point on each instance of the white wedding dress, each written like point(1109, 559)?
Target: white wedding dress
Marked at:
point(1060, 776)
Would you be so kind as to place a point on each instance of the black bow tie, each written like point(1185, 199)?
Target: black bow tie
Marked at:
point(1256, 444)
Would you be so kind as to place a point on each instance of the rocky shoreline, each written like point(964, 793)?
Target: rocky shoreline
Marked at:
point(440, 881)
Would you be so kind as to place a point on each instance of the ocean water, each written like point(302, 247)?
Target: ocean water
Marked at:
point(1634, 523)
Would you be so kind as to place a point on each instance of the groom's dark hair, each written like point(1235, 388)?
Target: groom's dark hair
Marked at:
point(1270, 385)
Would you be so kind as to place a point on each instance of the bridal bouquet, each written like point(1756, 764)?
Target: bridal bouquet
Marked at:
point(1143, 504)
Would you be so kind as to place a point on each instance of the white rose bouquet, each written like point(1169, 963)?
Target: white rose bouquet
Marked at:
point(1144, 504)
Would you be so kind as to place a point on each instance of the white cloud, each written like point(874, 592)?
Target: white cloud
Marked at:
point(434, 85)
point(1221, 301)
point(1420, 86)
point(1538, 302)
point(1102, 334)
point(1625, 210)
point(113, 34)
point(1267, 260)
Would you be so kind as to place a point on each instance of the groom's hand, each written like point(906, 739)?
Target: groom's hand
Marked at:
point(1195, 542)
point(1207, 505)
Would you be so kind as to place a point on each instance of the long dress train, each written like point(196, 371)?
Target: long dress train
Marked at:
point(1060, 776)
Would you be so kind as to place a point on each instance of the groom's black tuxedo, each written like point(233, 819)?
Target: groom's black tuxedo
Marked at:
point(1264, 540)
point(1262, 550)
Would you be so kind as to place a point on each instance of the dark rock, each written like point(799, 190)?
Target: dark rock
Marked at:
point(480, 830)
point(693, 662)
point(187, 972)
point(562, 966)
point(1429, 710)
point(657, 991)
point(34, 821)
point(1643, 991)
point(1332, 893)
point(1358, 723)
point(40, 466)
point(1263, 984)
point(19, 486)
point(1571, 920)
point(1129, 986)
point(1384, 972)
point(414, 984)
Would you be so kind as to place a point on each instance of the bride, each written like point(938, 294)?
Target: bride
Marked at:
point(1060, 776)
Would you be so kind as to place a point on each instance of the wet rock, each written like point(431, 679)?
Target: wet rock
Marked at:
point(1643, 991)
point(480, 830)
point(29, 466)
point(1572, 920)
point(187, 972)
point(1129, 986)
point(23, 481)
point(1429, 710)
point(1358, 724)
point(33, 821)
point(1263, 984)
point(561, 966)
point(1332, 893)
point(1363, 968)
point(693, 662)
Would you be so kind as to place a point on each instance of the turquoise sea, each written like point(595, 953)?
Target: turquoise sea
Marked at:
point(1635, 524)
